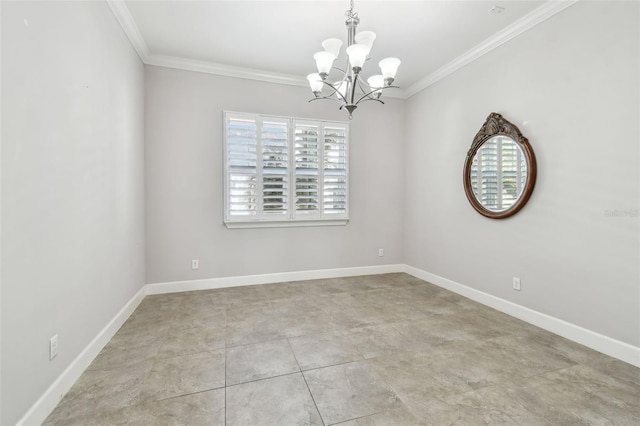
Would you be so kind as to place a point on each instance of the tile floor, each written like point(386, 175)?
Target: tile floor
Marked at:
point(374, 350)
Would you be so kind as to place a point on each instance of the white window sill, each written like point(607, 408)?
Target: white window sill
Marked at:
point(285, 223)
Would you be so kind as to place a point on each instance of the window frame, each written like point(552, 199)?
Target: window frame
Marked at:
point(292, 216)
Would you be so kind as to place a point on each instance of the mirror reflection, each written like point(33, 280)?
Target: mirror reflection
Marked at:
point(498, 173)
point(499, 170)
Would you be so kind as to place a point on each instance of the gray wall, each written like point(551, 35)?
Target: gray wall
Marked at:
point(571, 85)
point(183, 160)
point(72, 187)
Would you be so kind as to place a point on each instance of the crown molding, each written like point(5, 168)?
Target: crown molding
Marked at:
point(128, 24)
point(523, 24)
point(225, 70)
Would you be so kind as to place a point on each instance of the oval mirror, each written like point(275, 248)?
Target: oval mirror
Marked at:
point(500, 169)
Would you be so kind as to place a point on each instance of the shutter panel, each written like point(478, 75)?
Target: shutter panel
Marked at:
point(282, 169)
point(274, 139)
point(498, 187)
point(335, 165)
point(488, 178)
point(509, 160)
point(242, 197)
point(307, 161)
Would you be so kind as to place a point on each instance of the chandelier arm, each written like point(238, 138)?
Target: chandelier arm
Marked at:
point(367, 96)
point(354, 81)
point(363, 90)
point(326, 97)
point(363, 99)
point(335, 90)
point(339, 69)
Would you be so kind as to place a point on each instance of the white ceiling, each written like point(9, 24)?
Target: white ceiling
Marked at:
point(274, 40)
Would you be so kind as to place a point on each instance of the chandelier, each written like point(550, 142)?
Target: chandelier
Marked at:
point(350, 89)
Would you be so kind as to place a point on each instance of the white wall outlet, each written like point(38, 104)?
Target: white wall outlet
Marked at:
point(380, 252)
point(53, 347)
point(195, 264)
point(516, 283)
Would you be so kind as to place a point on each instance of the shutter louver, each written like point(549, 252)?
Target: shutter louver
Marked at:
point(335, 171)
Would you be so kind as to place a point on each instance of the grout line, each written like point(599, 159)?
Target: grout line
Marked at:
point(313, 398)
point(264, 378)
point(185, 394)
point(225, 372)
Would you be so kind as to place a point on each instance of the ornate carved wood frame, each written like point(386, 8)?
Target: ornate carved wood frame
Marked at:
point(497, 125)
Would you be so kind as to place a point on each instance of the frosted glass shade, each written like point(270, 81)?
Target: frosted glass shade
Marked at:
point(315, 81)
point(357, 55)
point(324, 61)
point(366, 38)
point(376, 81)
point(389, 67)
point(332, 45)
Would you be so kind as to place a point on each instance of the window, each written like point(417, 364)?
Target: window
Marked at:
point(283, 171)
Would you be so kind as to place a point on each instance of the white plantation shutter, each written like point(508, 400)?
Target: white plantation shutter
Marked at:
point(335, 170)
point(241, 156)
point(307, 169)
point(513, 180)
point(274, 144)
point(498, 188)
point(285, 170)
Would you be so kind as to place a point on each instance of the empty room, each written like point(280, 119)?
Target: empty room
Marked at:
point(320, 212)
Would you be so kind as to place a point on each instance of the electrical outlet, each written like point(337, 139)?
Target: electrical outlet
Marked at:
point(516, 283)
point(53, 347)
point(380, 252)
point(195, 264)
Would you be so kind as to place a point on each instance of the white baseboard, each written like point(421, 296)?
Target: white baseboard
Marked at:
point(213, 283)
point(54, 394)
point(612, 347)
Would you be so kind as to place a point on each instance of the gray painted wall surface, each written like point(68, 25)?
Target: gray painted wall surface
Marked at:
point(184, 172)
point(572, 86)
point(72, 187)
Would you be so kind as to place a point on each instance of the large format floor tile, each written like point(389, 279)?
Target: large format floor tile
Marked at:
point(185, 374)
point(382, 350)
point(323, 350)
point(349, 391)
point(283, 400)
point(98, 392)
point(260, 361)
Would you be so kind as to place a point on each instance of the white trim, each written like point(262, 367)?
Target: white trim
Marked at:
point(518, 27)
point(128, 24)
point(285, 224)
point(244, 280)
point(523, 24)
point(226, 70)
point(290, 216)
point(54, 394)
point(601, 343)
point(215, 68)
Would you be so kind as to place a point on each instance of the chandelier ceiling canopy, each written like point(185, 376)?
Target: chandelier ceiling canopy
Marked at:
point(349, 88)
